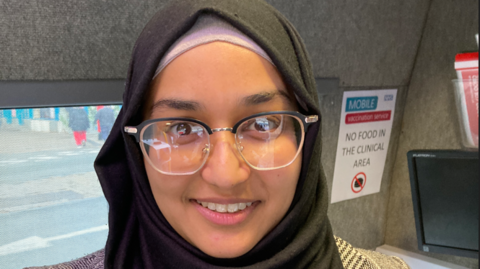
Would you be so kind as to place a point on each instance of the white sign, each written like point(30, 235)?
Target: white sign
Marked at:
point(365, 128)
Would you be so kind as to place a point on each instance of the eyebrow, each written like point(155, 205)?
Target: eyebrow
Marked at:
point(177, 104)
point(251, 100)
point(264, 97)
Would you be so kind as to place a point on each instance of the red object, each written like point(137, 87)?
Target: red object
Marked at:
point(80, 136)
point(368, 117)
point(466, 65)
point(98, 122)
point(466, 60)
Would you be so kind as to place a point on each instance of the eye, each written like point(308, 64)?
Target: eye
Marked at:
point(180, 129)
point(262, 124)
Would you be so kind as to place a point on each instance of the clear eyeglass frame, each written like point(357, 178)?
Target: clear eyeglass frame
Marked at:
point(138, 132)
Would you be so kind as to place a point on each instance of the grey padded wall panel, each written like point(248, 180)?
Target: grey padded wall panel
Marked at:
point(364, 43)
point(72, 39)
point(430, 119)
point(359, 221)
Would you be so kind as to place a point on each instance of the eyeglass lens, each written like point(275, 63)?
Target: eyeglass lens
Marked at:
point(269, 142)
point(182, 147)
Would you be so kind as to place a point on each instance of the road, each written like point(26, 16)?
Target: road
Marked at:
point(61, 221)
point(17, 168)
point(52, 208)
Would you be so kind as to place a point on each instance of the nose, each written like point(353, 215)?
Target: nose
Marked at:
point(224, 168)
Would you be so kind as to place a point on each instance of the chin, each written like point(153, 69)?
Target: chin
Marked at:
point(226, 252)
point(223, 244)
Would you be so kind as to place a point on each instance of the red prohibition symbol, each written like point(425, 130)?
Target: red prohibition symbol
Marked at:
point(360, 179)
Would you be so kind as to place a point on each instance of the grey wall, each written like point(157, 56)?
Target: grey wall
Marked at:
point(430, 119)
point(72, 39)
point(364, 43)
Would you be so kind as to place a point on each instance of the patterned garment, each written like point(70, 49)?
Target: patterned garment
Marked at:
point(91, 261)
point(352, 258)
point(357, 258)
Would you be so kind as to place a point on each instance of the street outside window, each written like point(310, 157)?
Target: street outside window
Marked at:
point(52, 208)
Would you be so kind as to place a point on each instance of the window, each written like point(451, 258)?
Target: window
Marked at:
point(52, 208)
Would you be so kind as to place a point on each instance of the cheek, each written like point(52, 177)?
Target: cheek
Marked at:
point(168, 191)
point(281, 185)
point(286, 178)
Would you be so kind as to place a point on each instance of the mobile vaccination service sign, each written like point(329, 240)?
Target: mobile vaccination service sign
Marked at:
point(365, 128)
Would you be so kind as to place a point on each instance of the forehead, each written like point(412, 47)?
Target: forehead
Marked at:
point(220, 73)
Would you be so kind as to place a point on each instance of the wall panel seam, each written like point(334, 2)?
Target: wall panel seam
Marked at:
point(407, 89)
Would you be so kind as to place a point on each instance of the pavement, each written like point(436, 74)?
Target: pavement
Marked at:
point(36, 164)
point(17, 139)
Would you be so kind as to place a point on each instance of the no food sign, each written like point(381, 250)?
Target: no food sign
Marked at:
point(365, 127)
point(358, 182)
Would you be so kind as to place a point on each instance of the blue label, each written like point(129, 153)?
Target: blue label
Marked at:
point(361, 103)
point(388, 97)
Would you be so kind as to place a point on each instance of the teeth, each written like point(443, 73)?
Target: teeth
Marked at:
point(222, 208)
point(232, 208)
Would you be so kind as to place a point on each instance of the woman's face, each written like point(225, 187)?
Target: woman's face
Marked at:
point(211, 83)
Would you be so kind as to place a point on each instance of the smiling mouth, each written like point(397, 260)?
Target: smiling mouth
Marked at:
point(224, 208)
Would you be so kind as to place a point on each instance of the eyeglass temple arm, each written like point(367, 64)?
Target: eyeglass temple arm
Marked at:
point(132, 131)
point(310, 120)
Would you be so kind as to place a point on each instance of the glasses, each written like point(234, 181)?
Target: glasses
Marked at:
point(180, 146)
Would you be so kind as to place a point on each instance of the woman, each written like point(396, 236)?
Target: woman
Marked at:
point(208, 164)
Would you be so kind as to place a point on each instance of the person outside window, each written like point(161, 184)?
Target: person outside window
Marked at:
point(79, 123)
point(105, 116)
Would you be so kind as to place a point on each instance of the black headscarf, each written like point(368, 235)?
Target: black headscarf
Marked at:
point(139, 235)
